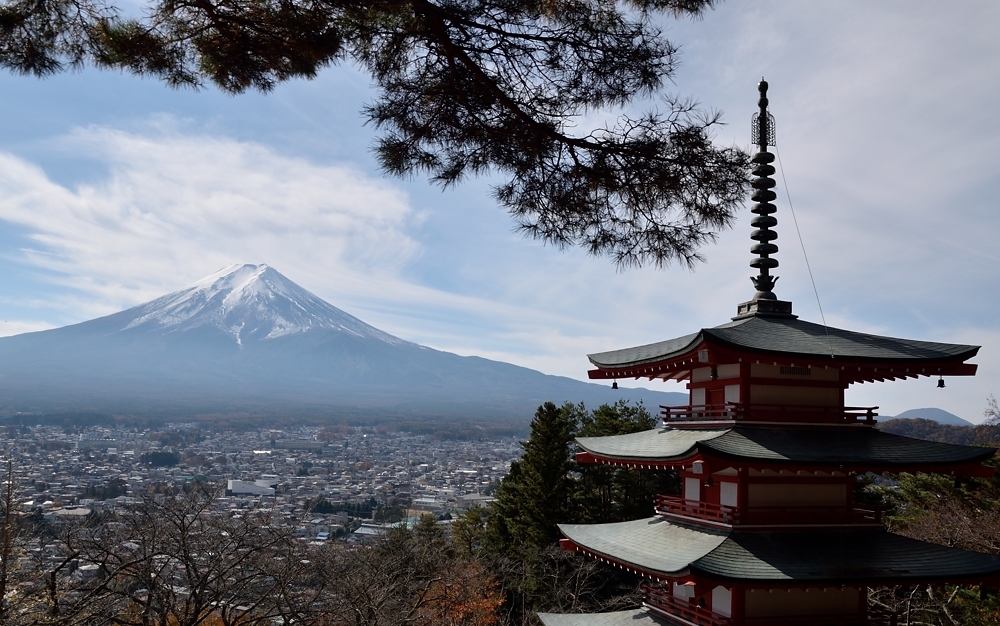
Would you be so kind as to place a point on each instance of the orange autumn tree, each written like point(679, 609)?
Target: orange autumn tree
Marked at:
point(465, 596)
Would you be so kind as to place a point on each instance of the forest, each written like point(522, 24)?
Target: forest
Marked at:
point(173, 559)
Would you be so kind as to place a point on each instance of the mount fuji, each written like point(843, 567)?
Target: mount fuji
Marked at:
point(248, 339)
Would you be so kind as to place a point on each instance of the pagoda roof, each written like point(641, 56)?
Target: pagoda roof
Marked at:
point(653, 545)
point(861, 448)
point(635, 617)
point(660, 548)
point(786, 337)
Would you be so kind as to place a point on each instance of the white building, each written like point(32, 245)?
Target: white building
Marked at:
point(242, 488)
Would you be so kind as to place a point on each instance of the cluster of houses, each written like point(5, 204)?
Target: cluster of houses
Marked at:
point(346, 484)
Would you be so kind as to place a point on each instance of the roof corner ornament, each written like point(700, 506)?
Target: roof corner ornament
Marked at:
point(762, 133)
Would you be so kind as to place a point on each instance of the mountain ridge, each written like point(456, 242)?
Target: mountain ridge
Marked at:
point(247, 338)
point(935, 415)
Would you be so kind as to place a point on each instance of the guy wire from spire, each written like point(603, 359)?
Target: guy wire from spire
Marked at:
point(795, 221)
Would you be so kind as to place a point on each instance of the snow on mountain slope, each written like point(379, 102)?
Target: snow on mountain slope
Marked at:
point(248, 302)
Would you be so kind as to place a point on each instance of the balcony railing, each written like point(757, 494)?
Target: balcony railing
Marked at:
point(663, 602)
point(674, 506)
point(745, 412)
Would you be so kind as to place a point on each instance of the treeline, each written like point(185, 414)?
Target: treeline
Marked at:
point(961, 513)
point(919, 428)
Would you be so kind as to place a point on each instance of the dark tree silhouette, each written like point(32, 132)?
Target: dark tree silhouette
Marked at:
point(464, 87)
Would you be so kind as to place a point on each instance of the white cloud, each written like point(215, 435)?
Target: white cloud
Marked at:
point(176, 206)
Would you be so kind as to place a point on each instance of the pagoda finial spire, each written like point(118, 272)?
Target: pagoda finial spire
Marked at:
point(763, 136)
point(762, 132)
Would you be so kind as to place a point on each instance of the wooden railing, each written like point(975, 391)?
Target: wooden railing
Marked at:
point(744, 412)
point(675, 506)
point(662, 602)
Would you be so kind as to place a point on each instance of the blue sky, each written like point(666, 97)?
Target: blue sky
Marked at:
point(115, 190)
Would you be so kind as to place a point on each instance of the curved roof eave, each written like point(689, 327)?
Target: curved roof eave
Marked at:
point(857, 448)
point(664, 548)
point(842, 556)
point(648, 353)
point(796, 338)
point(657, 444)
point(653, 545)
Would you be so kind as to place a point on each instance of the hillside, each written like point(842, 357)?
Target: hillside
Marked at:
point(938, 415)
point(930, 430)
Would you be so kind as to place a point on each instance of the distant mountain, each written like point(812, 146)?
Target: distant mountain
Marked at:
point(248, 339)
point(247, 303)
point(936, 415)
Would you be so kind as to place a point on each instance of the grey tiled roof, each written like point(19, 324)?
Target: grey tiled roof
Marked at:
point(789, 336)
point(857, 447)
point(661, 444)
point(842, 556)
point(849, 447)
point(635, 617)
point(654, 544)
point(819, 556)
point(645, 354)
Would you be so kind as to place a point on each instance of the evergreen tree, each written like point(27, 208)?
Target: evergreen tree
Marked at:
point(613, 494)
point(620, 418)
point(546, 487)
point(537, 493)
point(465, 87)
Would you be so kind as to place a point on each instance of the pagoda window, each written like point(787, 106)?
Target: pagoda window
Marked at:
point(692, 488)
point(683, 592)
point(698, 396)
point(722, 601)
point(728, 493)
point(732, 393)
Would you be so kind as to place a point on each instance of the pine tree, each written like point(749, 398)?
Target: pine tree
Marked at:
point(611, 494)
point(465, 87)
point(537, 493)
point(546, 487)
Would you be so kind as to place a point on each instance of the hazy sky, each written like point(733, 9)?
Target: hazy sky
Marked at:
point(115, 190)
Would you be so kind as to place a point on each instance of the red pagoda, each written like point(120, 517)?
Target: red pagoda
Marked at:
point(766, 531)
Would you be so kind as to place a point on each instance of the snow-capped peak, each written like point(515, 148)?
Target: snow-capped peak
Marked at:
point(248, 302)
